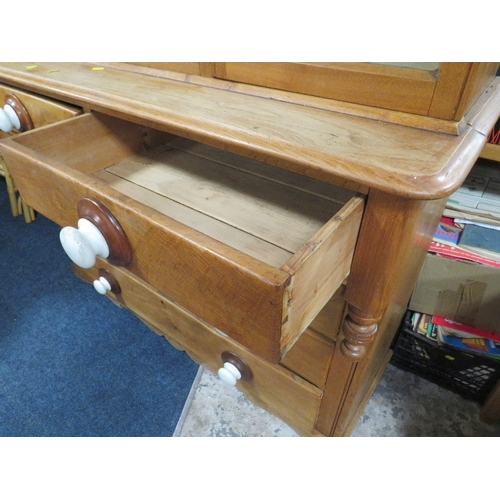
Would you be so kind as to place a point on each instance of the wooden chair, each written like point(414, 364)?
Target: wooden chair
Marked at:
point(42, 111)
point(17, 205)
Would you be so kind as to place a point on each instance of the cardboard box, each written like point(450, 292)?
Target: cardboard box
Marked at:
point(461, 291)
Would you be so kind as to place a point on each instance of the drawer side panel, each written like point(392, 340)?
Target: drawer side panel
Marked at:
point(319, 269)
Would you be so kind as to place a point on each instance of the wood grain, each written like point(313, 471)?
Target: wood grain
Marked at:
point(320, 267)
point(42, 111)
point(321, 144)
point(273, 387)
point(256, 247)
point(394, 239)
point(362, 83)
point(263, 306)
point(239, 295)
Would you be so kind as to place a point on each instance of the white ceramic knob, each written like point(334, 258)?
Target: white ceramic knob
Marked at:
point(84, 244)
point(102, 285)
point(229, 374)
point(5, 123)
point(9, 119)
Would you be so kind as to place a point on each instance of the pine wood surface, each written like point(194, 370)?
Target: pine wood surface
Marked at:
point(321, 144)
point(260, 249)
point(479, 75)
point(491, 152)
point(192, 268)
point(397, 166)
point(264, 306)
point(412, 224)
point(240, 200)
point(393, 243)
point(439, 90)
point(328, 321)
point(273, 387)
point(176, 73)
point(343, 81)
point(42, 111)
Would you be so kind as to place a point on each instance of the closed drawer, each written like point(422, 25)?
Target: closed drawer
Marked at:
point(310, 357)
point(41, 110)
point(279, 390)
point(253, 250)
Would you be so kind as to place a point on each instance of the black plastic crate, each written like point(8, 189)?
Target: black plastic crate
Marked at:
point(470, 375)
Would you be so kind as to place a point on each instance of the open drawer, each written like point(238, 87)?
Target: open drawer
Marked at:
point(254, 250)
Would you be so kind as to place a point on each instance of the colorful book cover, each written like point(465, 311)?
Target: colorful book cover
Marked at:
point(476, 345)
point(481, 238)
point(423, 324)
point(459, 329)
point(447, 232)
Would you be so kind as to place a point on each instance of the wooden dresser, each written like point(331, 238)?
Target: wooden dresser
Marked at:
point(268, 219)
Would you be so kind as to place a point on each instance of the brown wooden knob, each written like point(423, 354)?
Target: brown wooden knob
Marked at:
point(24, 117)
point(120, 251)
point(238, 363)
point(107, 282)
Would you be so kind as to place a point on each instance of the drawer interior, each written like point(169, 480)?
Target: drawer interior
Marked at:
point(255, 250)
point(263, 211)
point(246, 204)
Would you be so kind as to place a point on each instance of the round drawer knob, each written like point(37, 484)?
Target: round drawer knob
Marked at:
point(8, 119)
point(234, 369)
point(229, 374)
point(82, 245)
point(98, 235)
point(106, 283)
point(14, 116)
point(102, 285)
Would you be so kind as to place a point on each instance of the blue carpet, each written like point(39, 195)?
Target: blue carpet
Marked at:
point(71, 362)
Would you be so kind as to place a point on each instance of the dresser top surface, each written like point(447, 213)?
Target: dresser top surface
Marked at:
point(327, 145)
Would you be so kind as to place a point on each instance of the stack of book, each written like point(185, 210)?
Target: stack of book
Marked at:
point(456, 335)
point(494, 135)
point(468, 231)
point(470, 227)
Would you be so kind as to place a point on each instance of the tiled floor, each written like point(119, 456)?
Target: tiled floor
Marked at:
point(402, 405)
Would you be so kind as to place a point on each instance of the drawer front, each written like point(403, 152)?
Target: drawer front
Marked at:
point(273, 387)
point(240, 287)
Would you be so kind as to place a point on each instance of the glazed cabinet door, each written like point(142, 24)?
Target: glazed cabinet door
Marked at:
point(439, 90)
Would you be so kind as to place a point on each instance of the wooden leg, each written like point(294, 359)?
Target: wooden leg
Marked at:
point(393, 242)
point(29, 214)
point(11, 189)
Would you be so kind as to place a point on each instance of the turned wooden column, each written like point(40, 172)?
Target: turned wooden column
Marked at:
point(394, 238)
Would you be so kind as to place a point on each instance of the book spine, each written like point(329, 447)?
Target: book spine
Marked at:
point(494, 135)
point(461, 254)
